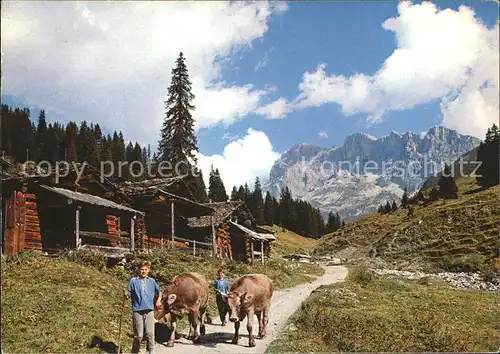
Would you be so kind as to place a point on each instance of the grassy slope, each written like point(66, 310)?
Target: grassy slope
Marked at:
point(444, 229)
point(58, 305)
point(373, 314)
point(290, 242)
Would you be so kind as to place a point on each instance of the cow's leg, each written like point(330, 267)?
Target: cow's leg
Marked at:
point(251, 339)
point(173, 326)
point(195, 317)
point(265, 321)
point(236, 332)
point(259, 318)
point(202, 324)
point(190, 321)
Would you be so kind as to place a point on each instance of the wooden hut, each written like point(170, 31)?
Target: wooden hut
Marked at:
point(49, 211)
point(236, 235)
point(167, 209)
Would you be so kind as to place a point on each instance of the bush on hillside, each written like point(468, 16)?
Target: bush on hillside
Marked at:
point(361, 275)
point(86, 257)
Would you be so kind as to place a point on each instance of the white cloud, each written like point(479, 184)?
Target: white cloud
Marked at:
point(323, 135)
point(440, 55)
point(242, 160)
point(111, 61)
point(274, 110)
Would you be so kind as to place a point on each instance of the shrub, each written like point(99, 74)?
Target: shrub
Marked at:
point(24, 257)
point(86, 257)
point(468, 264)
point(361, 275)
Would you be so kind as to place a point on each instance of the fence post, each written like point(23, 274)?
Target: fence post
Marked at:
point(194, 248)
point(132, 234)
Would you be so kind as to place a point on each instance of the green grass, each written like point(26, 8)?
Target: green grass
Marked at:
point(290, 242)
point(375, 314)
point(56, 305)
point(59, 304)
point(451, 229)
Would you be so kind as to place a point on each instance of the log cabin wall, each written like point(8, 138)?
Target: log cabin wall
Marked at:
point(33, 236)
point(22, 224)
point(267, 249)
point(113, 224)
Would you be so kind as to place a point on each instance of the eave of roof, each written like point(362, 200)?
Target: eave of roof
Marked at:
point(91, 199)
point(253, 234)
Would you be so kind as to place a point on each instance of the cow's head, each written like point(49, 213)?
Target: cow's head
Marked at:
point(236, 303)
point(166, 306)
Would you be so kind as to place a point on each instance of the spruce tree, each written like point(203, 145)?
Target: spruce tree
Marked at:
point(277, 212)
point(330, 223)
point(70, 137)
point(248, 197)
point(258, 202)
point(41, 137)
point(221, 190)
point(338, 222)
point(434, 194)
point(178, 141)
point(268, 210)
point(489, 157)
point(394, 207)
point(380, 209)
point(234, 193)
point(241, 193)
point(404, 199)
point(387, 208)
point(216, 189)
point(196, 186)
point(447, 187)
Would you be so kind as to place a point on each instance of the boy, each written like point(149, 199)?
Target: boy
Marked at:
point(221, 287)
point(142, 289)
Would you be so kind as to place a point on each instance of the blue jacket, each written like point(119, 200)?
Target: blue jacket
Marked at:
point(222, 285)
point(142, 293)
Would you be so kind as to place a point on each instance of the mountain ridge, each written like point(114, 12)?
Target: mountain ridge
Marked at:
point(365, 171)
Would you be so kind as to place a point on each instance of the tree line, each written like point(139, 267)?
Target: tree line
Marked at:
point(489, 156)
point(293, 214)
point(24, 140)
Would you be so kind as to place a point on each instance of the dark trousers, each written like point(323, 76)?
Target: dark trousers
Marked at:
point(222, 306)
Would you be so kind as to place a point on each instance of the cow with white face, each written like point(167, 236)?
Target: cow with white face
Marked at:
point(250, 294)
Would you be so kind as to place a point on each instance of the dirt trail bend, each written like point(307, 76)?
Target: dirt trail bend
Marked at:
point(284, 303)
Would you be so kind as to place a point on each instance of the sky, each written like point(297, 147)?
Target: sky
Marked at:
point(266, 75)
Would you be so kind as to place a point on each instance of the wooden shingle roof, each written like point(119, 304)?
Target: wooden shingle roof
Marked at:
point(222, 211)
point(90, 199)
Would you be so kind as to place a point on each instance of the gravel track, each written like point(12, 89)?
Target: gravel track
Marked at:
point(284, 303)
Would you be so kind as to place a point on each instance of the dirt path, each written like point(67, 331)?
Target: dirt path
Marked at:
point(284, 304)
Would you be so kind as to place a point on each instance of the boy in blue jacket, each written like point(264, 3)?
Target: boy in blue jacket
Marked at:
point(143, 290)
point(221, 287)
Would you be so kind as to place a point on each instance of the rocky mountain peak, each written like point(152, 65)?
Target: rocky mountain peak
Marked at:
point(361, 191)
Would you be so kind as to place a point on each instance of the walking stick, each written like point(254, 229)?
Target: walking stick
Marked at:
point(120, 325)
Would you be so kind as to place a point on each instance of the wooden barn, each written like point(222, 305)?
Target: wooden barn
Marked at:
point(236, 234)
point(167, 209)
point(49, 212)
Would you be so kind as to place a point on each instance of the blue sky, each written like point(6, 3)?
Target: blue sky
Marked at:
point(346, 36)
point(101, 64)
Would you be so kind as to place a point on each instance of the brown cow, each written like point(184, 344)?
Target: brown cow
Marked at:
point(187, 294)
point(250, 294)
